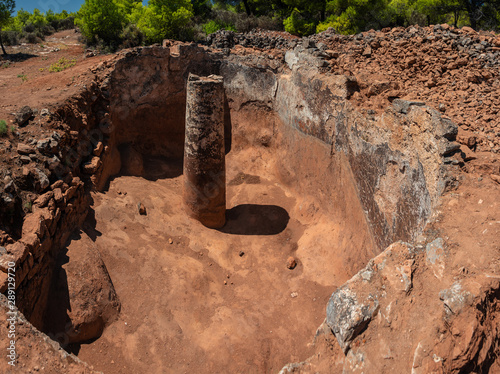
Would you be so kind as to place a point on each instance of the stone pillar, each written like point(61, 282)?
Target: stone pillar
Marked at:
point(204, 153)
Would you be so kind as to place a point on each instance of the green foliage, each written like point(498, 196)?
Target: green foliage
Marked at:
point(297, 25)
point(33, 27)
point(202, 8)
point(131, 36)
point(6, 10)
point(10, 37)
point(23, 77)
point(353, 16)
point(37, 19)
point(163, 19)
point(61, 65)
point(100, 20)
point(213, 26)
point(3, 127)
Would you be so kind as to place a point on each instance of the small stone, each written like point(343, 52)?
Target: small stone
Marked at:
point(293, 295)
point(58, 195)
point(170, 241)
point(57, 184)
point(43, 180)
point(92, 166)
point(495, 177)
point(98, 149)
point(142, 209)
point(18, 251)
point(25, 159)
point(23, 115)
point(291, 263)
point(241, 254)
point(42, 200)
point(24, 149)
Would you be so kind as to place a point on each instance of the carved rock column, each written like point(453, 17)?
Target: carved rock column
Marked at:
point(204, 153)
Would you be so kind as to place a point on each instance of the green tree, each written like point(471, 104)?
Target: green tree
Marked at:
point(297, 24)
point(37, 19)
point(100, 20)
point(479, 10)
point(352, 16)
point(163, 19)
point(6, 10)
point(201, 7)
point(235, 3)
point(126, 7)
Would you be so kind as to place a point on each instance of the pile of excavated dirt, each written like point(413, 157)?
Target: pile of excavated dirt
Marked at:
point(454, 70)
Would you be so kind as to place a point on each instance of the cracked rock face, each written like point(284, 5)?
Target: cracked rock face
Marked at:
point(347, 316)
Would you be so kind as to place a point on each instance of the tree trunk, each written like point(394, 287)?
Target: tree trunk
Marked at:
point(247, 7)
point(472, 18)
point(471, 11)
point(1, 44)
point(323, 11)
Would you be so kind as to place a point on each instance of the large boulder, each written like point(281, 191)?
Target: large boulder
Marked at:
point(84, 299)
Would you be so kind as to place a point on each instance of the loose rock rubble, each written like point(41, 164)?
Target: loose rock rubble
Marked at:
point(454, 70)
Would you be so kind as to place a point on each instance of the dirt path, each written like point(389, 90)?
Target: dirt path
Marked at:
point(27, 78)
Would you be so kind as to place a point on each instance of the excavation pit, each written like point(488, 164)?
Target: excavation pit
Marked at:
point(216, 300)
point(314, 191)
point(224, 300)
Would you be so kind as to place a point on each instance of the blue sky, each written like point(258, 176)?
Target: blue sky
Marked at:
point(44, 5)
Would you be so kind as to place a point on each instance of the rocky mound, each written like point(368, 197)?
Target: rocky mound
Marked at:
point(454, 70)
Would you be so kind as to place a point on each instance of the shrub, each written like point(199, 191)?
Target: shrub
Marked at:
point(213, 26)
point(29, 28)
point(3, 127)
point(198, 33)
point(10, 37)
point(242, 22)
point(61, 65)
point(297, 25)
point(47, 30)
point(164, 19)
point(131, 36)
point(246, 23)
point(65, 24)
point(32, 38)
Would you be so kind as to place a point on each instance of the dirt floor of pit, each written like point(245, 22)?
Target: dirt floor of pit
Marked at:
point(207, 301)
